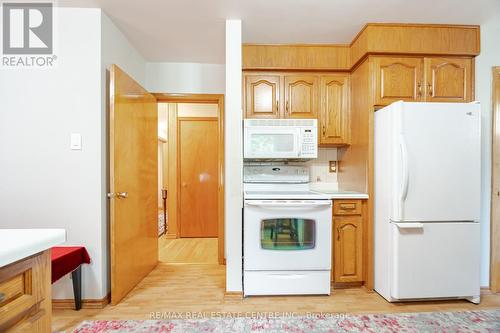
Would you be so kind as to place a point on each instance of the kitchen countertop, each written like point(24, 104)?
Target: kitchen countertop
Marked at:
point(17, 244)
point(338, 194)
point(332, 191)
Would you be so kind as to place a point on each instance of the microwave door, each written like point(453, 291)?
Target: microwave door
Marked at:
point(272, 142)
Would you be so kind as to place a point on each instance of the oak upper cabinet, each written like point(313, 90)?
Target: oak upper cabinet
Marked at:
point(347, 241)
point(398, 79)
point(334, 110)
point(301, 96)
point(262, 96)
point(448, 79)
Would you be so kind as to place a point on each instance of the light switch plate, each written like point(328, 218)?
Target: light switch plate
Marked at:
point(76, 141)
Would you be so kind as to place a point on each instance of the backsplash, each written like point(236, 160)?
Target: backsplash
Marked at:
point(318, 168)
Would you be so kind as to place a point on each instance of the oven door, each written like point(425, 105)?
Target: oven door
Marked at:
point(287, 234)
point(271, 142)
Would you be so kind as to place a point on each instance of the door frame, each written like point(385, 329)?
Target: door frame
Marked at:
point(495, 185)
point(212, 99)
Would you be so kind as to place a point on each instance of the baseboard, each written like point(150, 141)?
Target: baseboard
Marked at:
point(346, 285)
point(233, 295)
point(86, 303)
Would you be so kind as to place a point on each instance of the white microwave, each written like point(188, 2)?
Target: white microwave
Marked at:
point(280, 138)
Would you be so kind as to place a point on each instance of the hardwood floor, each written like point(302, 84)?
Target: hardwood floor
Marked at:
point(188, 250)
point(200, 289)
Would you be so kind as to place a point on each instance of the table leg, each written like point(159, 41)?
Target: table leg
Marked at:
point(76, 276)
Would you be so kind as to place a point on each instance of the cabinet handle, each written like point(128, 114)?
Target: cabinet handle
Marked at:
point(419, 89)
point(348, 206)
point(277, 105)
point(429, 87)
point(338, 233)
point(324, 130)
point(286, 107)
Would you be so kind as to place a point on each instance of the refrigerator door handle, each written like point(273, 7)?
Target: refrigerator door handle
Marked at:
point(406, 173)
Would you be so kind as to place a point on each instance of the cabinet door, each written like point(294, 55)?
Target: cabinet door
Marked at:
point(398, 79)
point(334, 114)
point(262, 93)
point(448, 79)
point(348, 247)
point(301, 96)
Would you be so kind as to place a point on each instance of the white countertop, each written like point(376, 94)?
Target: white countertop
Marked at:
point(332, 191)
point(17, 244)
point(338, 194)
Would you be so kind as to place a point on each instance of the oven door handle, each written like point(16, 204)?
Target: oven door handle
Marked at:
point(289, 204)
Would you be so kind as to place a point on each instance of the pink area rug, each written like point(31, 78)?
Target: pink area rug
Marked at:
point(423, 322)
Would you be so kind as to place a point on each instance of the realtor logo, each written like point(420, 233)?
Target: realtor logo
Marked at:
point(27, 28)
point(28, 35)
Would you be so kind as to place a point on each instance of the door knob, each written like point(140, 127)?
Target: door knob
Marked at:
point(118, 195)
point(184, 184)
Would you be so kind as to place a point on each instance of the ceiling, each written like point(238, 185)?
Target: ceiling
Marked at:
point(193, 30)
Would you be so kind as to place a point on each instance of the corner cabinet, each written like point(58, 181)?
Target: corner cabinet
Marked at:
point(422, 79)
point(262, 96)
point(347, 246)
point(321, 96)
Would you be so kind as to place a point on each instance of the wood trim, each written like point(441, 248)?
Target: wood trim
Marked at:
point(189, 98)
point(495, 186)
point(374, 38)
point(173, 160)
point(172, 171)
point(86, 303)
point(233, 295)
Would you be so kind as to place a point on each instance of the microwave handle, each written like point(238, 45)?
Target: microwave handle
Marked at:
point(297, 140)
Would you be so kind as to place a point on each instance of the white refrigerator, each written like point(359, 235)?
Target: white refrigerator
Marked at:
point(427, 201)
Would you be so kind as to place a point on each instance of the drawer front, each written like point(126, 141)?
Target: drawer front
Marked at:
point(346, 207)
point(12, 289)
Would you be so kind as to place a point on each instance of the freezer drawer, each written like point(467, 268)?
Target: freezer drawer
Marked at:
point(434, 260)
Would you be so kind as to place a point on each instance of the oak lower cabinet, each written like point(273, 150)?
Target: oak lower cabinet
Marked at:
point(262, 96)
point(347, 264)
point(422, 79)
point(25, 295)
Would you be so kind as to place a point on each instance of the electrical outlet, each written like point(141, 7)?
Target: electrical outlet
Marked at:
point(333, 167)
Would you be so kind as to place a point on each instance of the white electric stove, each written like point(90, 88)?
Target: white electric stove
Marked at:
point(287, 233)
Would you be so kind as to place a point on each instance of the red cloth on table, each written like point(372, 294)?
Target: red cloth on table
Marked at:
point(65, 259)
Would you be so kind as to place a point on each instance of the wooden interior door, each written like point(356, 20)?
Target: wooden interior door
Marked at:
point(448, 79)
point(262, 94)
point(133, 147)
point(198, 164)
point(301, 96)
point(495, 187)
point(398, 79)
point(334, 117)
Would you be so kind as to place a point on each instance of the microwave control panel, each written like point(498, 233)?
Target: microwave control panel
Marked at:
point(309, 142)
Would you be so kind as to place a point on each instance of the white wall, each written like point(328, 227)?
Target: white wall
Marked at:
point(233, 136)
point(489, 57)
point(42, 182)
point(185, 78)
